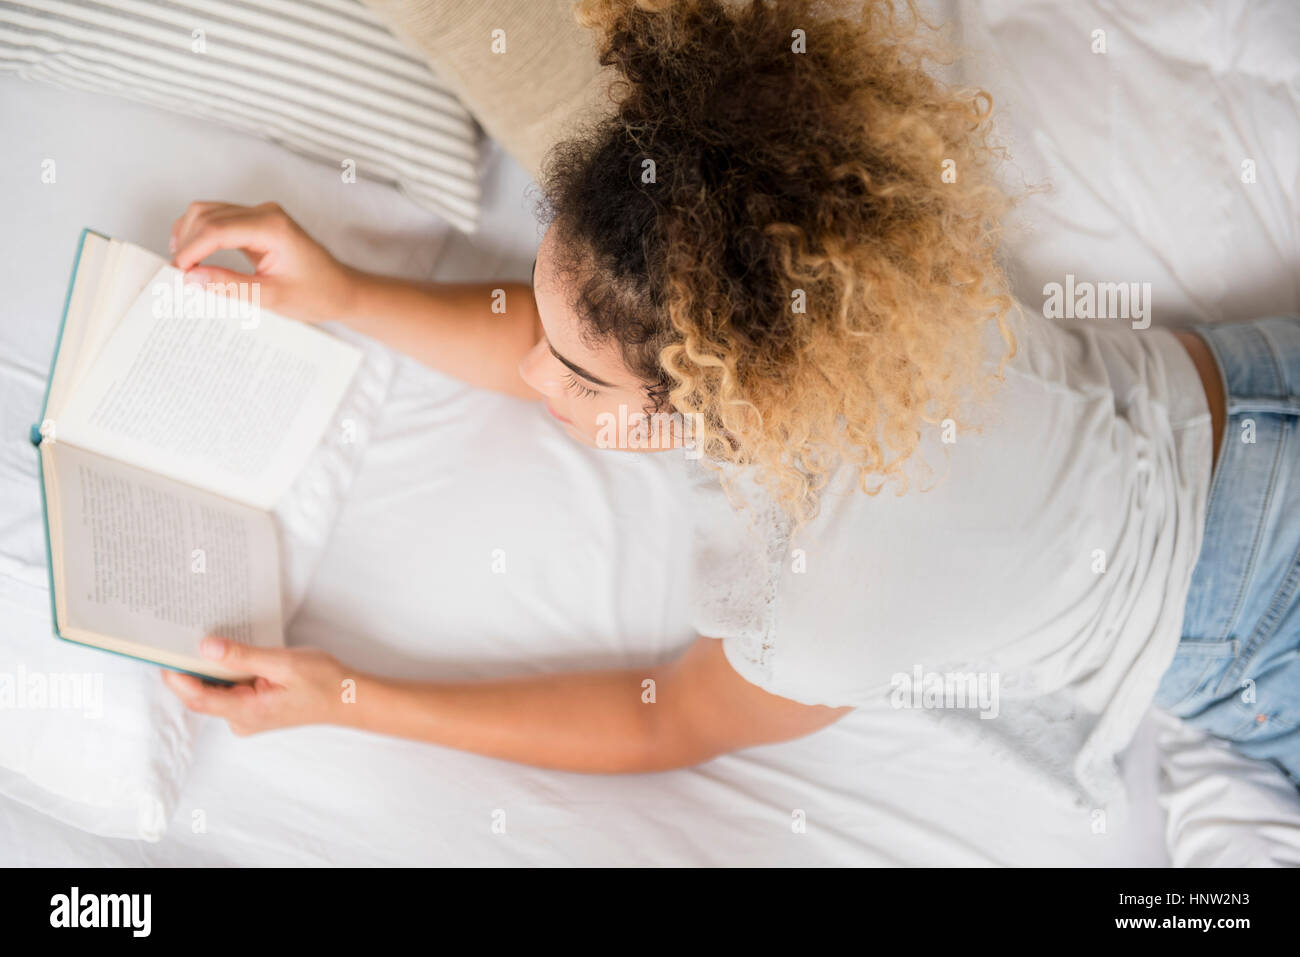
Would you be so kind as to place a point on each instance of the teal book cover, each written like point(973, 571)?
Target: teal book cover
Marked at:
point(37, 435)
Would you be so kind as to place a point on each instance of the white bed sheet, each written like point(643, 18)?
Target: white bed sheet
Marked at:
point(589, 560)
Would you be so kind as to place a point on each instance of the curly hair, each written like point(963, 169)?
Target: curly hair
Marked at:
point(790, 227)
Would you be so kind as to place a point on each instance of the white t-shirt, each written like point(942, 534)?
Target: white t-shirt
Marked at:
point(1050, 559)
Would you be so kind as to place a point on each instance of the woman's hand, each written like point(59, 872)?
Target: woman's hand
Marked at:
point(297, 276)
point(599, 722)
point(294, 686)
point(456, 328)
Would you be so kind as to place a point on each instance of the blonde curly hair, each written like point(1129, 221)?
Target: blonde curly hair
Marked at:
point(841, 177)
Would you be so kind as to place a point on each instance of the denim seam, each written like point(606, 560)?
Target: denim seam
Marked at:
point(1281, 601)
point(1264, 405)
point(1286, 591)
point(1252, 645)
point(1279, 367)
point(1209, 334)
point(1267, 624)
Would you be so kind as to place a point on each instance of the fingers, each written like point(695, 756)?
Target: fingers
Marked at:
point(253, 233)
point(204, 698)
point(186, 220)
point(272, 663)
point(208, 227)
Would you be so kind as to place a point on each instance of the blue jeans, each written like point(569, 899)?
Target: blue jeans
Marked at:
point(1236, 673)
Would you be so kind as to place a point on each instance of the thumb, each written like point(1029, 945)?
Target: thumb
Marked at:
point(264, 662)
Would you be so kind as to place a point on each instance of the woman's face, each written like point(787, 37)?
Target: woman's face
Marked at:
point(589, 390)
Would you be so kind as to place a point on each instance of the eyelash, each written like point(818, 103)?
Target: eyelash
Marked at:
point(583, 391)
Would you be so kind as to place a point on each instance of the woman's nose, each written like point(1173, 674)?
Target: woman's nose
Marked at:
point(535, 369)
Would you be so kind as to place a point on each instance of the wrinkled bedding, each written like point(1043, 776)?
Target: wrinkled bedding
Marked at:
point(1143, 147)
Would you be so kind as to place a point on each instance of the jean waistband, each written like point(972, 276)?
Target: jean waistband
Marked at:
point(1259, 361)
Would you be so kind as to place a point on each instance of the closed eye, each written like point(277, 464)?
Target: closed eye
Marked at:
point(578, 388)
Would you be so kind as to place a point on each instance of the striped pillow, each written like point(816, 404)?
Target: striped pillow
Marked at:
point(321, 77)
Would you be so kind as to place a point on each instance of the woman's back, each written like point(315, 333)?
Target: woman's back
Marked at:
point(1050, 551)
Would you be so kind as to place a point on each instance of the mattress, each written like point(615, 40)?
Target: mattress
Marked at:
point(595, 566)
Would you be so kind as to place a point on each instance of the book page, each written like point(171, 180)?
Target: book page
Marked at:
point(77, 317)
point(127, 270)
point(210, 390)
point(154, 562)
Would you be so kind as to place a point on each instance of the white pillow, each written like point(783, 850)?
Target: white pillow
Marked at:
point(113, 757)
point(110, 754)
point(325, 79)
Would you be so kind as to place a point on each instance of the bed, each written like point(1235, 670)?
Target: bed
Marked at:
point(451, 473)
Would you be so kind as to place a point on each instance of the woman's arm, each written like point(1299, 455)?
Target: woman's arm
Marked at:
point(450, 327)
point(602, 722)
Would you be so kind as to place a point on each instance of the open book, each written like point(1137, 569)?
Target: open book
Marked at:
point(175, 418)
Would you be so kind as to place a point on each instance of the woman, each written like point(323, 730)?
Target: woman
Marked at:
point(786, 234)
